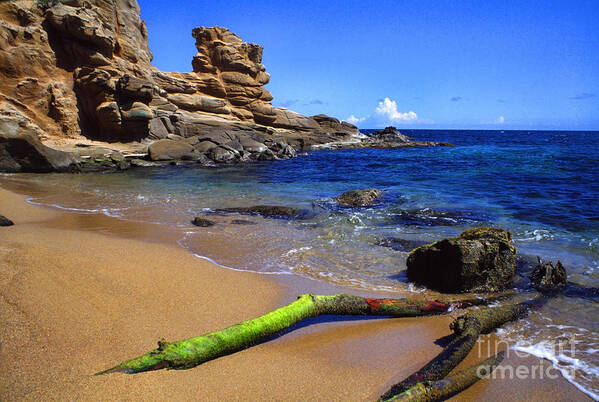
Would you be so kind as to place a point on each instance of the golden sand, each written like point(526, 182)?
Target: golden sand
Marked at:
point(80, 293)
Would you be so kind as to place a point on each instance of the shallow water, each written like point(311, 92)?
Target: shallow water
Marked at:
point(543, 186)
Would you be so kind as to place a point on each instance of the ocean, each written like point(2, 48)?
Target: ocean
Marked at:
point(543, 186)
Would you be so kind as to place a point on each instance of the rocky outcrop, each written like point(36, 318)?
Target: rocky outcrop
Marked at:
point(21, 149)
point(389, 135)
point(80, 70)
point(548, 278)
point(358, 198)
point(480, 259)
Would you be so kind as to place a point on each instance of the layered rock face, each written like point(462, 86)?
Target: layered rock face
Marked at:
point(81, 69)
point(21, 149)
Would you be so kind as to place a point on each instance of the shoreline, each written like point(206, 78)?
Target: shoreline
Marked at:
point(104, 293)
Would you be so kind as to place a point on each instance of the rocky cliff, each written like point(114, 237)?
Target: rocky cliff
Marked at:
point(79, 72)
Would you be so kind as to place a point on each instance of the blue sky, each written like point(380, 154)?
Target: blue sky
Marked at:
point(415, 64)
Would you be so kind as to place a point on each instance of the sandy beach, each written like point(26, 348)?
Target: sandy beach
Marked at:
point(80, 293)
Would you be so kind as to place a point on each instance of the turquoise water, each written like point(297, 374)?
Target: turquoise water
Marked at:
point(543, 186)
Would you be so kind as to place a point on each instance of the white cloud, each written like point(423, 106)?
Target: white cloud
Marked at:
point(355, 120)
point(500, 120)
point(388, 108)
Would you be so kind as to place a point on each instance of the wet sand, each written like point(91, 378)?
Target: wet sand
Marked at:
point(80, 293)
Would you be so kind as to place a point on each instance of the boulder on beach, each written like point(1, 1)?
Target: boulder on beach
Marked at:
point(548, 278)
point(4, 221)
point(202, 222)
point(267, 211)
point(479, 259)
point(358, 198)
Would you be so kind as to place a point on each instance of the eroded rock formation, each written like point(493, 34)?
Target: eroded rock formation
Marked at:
point(80, 71)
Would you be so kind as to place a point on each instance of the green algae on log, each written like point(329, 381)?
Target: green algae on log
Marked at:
point(440, 390)
point(194, 351)
point(467, 328)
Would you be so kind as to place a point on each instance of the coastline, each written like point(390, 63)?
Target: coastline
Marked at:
point(80, 293)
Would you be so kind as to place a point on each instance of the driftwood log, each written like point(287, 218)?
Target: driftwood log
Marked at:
point(428, 383)
point(467, 328)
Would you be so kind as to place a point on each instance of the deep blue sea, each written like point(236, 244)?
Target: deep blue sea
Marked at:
point(541, 185)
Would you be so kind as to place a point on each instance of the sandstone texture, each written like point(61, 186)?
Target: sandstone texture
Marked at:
point(79, 72)
point(21, 149)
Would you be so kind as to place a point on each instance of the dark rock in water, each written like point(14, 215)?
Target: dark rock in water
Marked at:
point(4, 221)
point(358, 198)
point(389, 134)
point(242, 222)
point(268, 211)
point(581, 291)
point(548, 278)
point(479, 259)
point(429, 217)
point(400, 244)
point(202, 222)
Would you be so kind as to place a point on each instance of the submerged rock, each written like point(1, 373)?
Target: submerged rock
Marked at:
point(4, 221)
point(430, 217)
point(202, 222)
point(400, 244)
point(548, 278)
point(479, 259)
point(242, 222)
point(359, 198)
point(267, 211)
